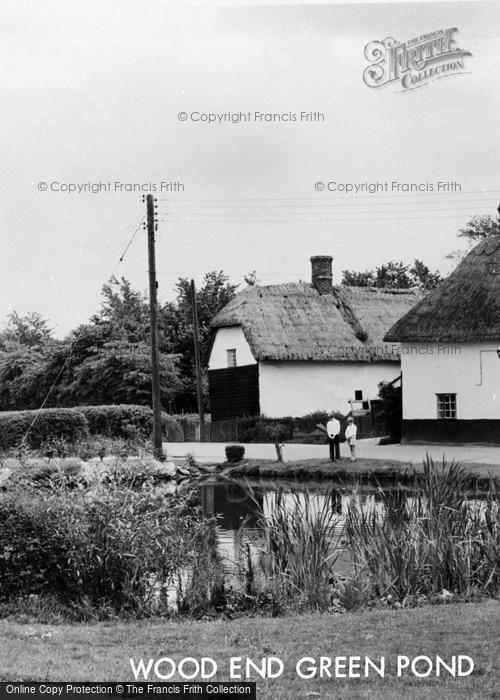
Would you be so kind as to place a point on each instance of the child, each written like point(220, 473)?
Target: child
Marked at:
point(350, 435)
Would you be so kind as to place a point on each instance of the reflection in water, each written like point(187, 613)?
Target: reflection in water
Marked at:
point(246, 543)
point(234, 502)
point(242, 503)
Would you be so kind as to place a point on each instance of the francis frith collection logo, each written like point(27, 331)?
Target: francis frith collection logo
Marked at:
point(414, 63)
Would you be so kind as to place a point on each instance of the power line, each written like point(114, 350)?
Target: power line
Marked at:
point(75, 341)
point(139, 226)
point(341, 204)
point(320, 197)
point(107, 254)
point(361, 211)
point(309, 220)
point(35, 417)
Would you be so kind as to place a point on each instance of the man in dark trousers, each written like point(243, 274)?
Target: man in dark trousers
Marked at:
point(333, 432)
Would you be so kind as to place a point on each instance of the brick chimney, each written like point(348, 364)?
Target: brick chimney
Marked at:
point(321, 273)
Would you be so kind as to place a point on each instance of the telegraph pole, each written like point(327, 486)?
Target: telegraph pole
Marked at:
point(197, 359)
point(153, 287)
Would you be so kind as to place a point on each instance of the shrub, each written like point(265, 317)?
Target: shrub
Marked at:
point(307, 424)
point(128, 422)
point(258, 429)
point(235, 453)
point(189, 424)
point(34, 428)
point(262, 429)
point(59, 473)
point(189, 418)
point(112, 553)
point(391, 410)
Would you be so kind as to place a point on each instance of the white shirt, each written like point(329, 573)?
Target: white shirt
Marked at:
point(333, 428)
point(350, 433)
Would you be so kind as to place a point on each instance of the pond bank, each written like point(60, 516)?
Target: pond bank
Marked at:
point(482, 459)
point(372, 470)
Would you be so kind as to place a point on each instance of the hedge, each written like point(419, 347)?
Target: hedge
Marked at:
point(301, 429)
point(257, 429)
point(125, 421)
point(66, 423)
point(73, 424)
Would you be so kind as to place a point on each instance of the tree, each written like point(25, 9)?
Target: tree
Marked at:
point(393, 275)
point(479, 227)
point(176, 325)
point(30, 330)
point(475, 230)
point(121, 373)
point(423, 277)
point(107, 360)
point(358, 279)
point(251, 278)
point(124, 312)
point(24, 344)
point(19, 368)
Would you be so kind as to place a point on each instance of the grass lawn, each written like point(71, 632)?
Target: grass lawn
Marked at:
point(382, 470)
point(98, 652)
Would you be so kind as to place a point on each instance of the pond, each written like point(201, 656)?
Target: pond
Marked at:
point(238, 502)
point(396, 537)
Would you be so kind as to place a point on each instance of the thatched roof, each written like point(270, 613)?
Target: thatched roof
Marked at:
point(294, 322)
point(464, 307)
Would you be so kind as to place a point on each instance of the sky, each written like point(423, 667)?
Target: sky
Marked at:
point(92, 92)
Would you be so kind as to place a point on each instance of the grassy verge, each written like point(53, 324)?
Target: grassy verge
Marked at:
point(383, 471)
point(101, 651)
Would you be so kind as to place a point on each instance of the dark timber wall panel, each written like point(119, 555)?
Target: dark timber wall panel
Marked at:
point(452, 431)
point(234, 392)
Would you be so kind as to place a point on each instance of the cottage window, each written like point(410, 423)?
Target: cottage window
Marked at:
point(231, 357)
point(446, 405)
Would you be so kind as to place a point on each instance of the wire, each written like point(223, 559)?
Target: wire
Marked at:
point(35, 418)
point(336, 203)
point(319, 197)
point(137, 225)
point(107, 254)
point(308, 220)
point(138, 228)
point(361, 211)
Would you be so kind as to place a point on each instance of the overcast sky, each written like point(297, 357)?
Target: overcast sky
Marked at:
point(91, 92)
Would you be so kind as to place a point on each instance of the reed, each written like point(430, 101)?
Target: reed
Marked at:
point(432, 539)
point(298, 549)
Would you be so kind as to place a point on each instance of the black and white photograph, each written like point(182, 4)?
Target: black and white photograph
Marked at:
point(250, 349)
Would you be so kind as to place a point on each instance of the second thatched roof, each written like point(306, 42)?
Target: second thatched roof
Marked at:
point(294, 322)
point(465, 307)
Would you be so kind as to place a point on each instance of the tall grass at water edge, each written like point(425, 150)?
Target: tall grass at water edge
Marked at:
point(431, 537)
point(114, 547)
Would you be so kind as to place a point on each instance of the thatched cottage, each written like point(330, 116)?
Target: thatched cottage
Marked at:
point(291, 349)
point(450, 356)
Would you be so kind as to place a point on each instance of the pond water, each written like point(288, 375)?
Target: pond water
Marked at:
point(238, 502)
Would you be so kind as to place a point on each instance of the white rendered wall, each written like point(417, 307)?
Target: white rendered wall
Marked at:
point(298, 388)
point(226, 339)
point(469, 370)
